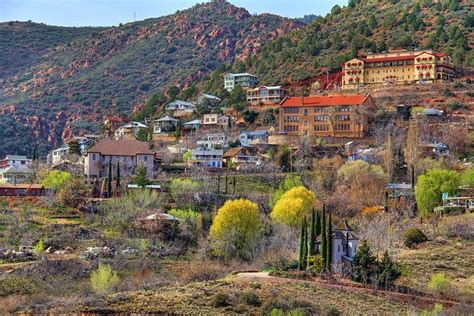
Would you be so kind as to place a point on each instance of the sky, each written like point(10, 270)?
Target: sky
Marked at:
point(113, 12)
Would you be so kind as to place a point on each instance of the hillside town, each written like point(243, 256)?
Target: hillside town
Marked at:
point(357, 186)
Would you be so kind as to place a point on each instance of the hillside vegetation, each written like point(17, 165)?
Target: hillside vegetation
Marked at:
point(366, 26)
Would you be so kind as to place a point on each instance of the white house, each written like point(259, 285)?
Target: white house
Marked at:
point(246, 138)
point(130, 130)
point(180, 107)
point(14, 169)
point(344, 248)
point(166, 124)
point(244, 80)
point(206, 158)
point(266, 95)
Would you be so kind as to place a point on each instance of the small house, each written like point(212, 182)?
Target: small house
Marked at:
point(8, 189)
point(246, 138)
point(180, 108)
point(212, 141)
point(239, 156)
point(130, 130)
point(166, 124)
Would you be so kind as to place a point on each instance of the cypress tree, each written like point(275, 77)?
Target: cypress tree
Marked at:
point(305, 244)
point(323, 234)
point(318, 224)
point(312, 237)
point(300, 258)
point(109, 181)
point(117, 176)
point(329, 244)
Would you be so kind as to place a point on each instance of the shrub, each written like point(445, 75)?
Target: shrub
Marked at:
point(104, 278)
point(38, 247)
point(413, 237)
point(220, 300)
point(316, 263)
point(439, 283)
point(204, 271)
point(250, 298)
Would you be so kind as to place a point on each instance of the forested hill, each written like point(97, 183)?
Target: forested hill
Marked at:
point(69, 86)
point(22, 44)
point(366, 26)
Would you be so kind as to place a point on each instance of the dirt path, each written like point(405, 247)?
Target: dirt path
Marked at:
point(265, 277)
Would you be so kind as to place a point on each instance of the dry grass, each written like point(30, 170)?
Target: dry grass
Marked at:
point(454, 257)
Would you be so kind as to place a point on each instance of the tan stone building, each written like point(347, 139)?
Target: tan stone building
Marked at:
point(129, 154)
point(398, 67)
point(326, 116)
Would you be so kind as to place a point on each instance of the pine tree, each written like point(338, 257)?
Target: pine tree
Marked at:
point(364, 263)
point(323, 234)
point(117, 176)
point(329, 244)
point(109, 181)
point(389, 271)
point(140, 177)
point(312, 237)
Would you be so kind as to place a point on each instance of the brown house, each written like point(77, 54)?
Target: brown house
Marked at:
point(326, 116)
point(7, 189)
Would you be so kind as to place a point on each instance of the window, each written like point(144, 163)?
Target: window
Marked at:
point(321, 128)
point(291, 110)
point(305, 112)
point(318, 109)
point(338, 248)
point(145, 158)
point(291, 128)
point(344, 117)
point(93, 156)
point(319, 118)
point(291, 119)
point(305, 123)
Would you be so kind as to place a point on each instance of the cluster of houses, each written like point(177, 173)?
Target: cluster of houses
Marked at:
point(221, 140)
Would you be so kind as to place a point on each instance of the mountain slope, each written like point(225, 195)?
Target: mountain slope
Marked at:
point(368, 26)
point(112, 71)
point(23, 43)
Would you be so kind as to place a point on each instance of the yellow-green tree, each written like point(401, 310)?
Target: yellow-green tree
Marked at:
point(55, 179)
point(235, 228)
point(293, 206)
point(104, 278)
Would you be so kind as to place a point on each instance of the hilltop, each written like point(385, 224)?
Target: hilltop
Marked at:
point(79, 75)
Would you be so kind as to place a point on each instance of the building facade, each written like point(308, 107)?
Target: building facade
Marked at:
point(398, 67)
point(326, 116)
point(244, 80)
point(166, 124)
point(130, 130)
point(206, 158)
point(266, 95)
point(211, 141)
point(14, 169)
point(128, 153)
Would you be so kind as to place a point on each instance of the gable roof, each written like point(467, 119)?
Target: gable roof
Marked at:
point(176, 103)
point(134, 124)
point(256, 133)
point(193, 122)
point(327, 100)
point(167, 118)
point(121, 147)
point(232, 152)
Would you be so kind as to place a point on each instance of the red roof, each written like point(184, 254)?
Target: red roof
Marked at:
point(330, 100)
point(397, 58)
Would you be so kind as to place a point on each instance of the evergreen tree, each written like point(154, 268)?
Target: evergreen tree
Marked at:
point(389, 270)
point(300, 258)
point(140, 177)
point(74, 147)
point(318, 225)
point(323, 235)
point(305, 244)
point(364, 264)
point(329, 244)
point(109, 181)
point(312, 237)
point(117, 175)
point(34, 157)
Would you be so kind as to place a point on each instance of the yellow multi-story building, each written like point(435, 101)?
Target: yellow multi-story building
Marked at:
point(397, 67)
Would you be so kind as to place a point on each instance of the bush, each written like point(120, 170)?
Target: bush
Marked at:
point(204, 271)
point(220, 300)
point(250, 298)
point(439, 283)
point(413, 237)
point(104, 278)
point(333, 311)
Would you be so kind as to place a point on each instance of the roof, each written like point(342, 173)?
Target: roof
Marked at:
point(134, 124)
point(266, 88)
point(240, 74)
point(16, 169)
point(167, 118)
point(214, 152)
point(193, 122)
point(209, 96)
point(121, 147)
point(232, 152)
point(256, 133)
point(159, 216)
point(330, 100)
point(398, 186)
point(180, 102)
point(16, 157)
point(24, 186)
point(150, 186)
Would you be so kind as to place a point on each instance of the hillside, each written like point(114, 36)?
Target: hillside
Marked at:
point(73, 84)
point(24, 43)
point(366, 26)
